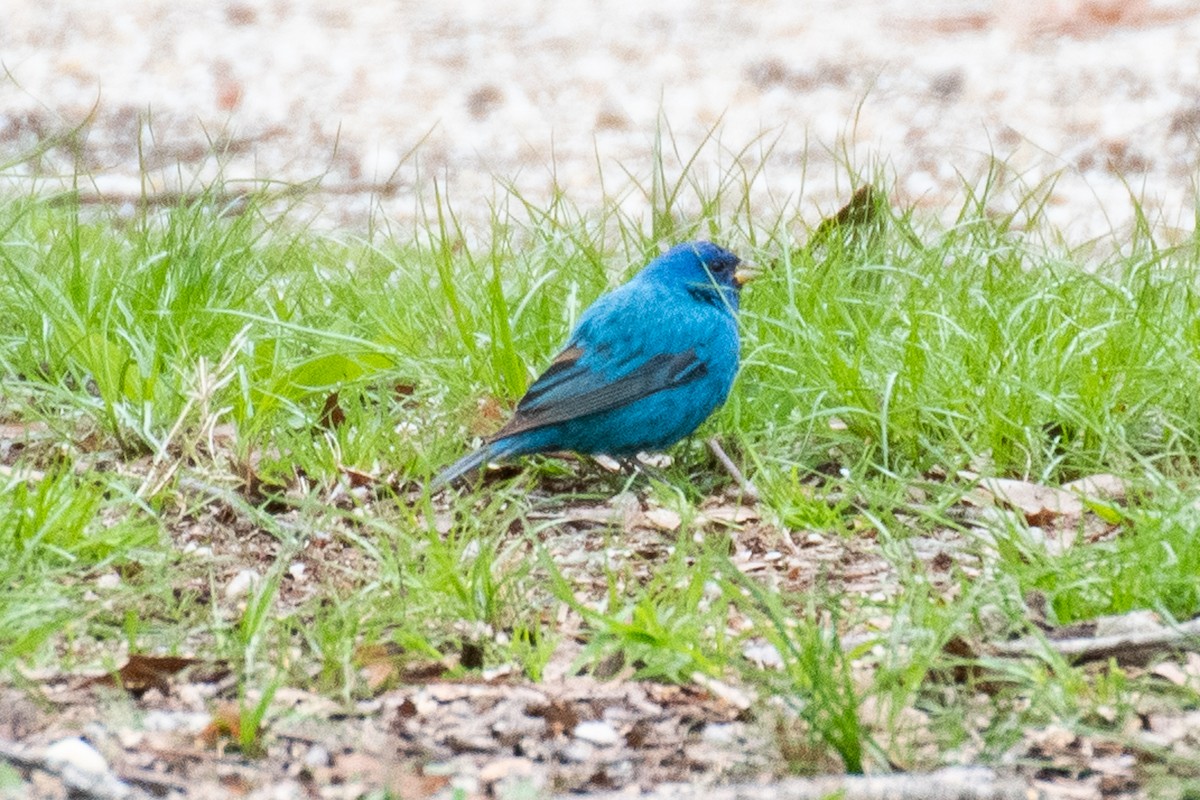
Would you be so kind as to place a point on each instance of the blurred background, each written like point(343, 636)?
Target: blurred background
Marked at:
point(375, 99)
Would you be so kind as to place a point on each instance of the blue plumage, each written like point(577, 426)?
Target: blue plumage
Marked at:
point(647, 363)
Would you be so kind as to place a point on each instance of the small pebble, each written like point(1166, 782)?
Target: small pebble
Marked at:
point(578, 751)
point(597, 732)
point(75, 752)
point(720, 733)
point(317, 757)
point(764, 655)
point(242, 583)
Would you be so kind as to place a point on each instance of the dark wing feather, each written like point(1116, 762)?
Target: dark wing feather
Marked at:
point(570, 388)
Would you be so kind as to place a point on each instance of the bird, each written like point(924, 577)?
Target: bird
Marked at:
point(644, 366)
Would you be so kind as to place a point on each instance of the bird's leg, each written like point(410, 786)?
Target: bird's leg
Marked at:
point(651, 471)
point(749, 490)
point(632, 468)
point(629, 464)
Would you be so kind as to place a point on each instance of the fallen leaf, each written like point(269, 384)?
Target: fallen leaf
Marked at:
point(728, 515)
point(226, 724)
point(141, 673)
point(332, 415)
point(664, 519)
point(739, 698)
point(1033, 499)
point(358, 478)
point(558, 714)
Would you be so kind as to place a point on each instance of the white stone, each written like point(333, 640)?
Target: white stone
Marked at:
point(75, 752)
point(597, 732)
point(241, 583)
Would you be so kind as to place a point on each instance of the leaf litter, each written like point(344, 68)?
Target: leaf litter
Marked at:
point(170, 725)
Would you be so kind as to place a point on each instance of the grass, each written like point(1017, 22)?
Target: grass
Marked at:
point(204, 361)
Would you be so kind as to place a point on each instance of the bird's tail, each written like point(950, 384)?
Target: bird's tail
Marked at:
point(466, 464)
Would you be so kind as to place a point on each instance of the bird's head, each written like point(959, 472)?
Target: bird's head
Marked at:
point(707, 270)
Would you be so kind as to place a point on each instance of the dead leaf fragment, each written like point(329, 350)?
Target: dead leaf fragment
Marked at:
point(664, 519)
point(226, 724)
point(559, 715)
point(332, 414)
point(729, 515)
point(141, 673)
point(1035, 501)
point(358, 478)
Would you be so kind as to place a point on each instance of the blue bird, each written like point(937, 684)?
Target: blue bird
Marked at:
point(646, 364)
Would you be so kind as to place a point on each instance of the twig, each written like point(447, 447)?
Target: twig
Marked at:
point(153, 782)
point(954, 783)
point(1126, 648)
point(748, 488)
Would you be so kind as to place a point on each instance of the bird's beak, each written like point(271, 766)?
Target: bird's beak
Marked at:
point(745, 273)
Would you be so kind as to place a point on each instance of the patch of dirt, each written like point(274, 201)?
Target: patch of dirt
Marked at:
point(374, 98)
point(173, 730)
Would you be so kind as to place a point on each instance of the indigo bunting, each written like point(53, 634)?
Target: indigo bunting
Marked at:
point(645, 365)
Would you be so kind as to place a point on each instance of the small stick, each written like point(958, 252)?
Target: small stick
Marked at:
point(1126, 648)
point(748, 489)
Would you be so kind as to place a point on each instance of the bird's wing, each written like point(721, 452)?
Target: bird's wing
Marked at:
point(583, 381)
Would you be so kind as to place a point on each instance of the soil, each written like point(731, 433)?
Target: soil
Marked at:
point(375, 100)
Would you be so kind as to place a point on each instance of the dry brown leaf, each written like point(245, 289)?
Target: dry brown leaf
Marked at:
point(1035, 501)
point(141, 673)
point(332, 414)
point(664, 519)
point(736, 696)
point(729, 515)
point(408, 784)
point(226, 724)
point(358, 478)
point(559, 715)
